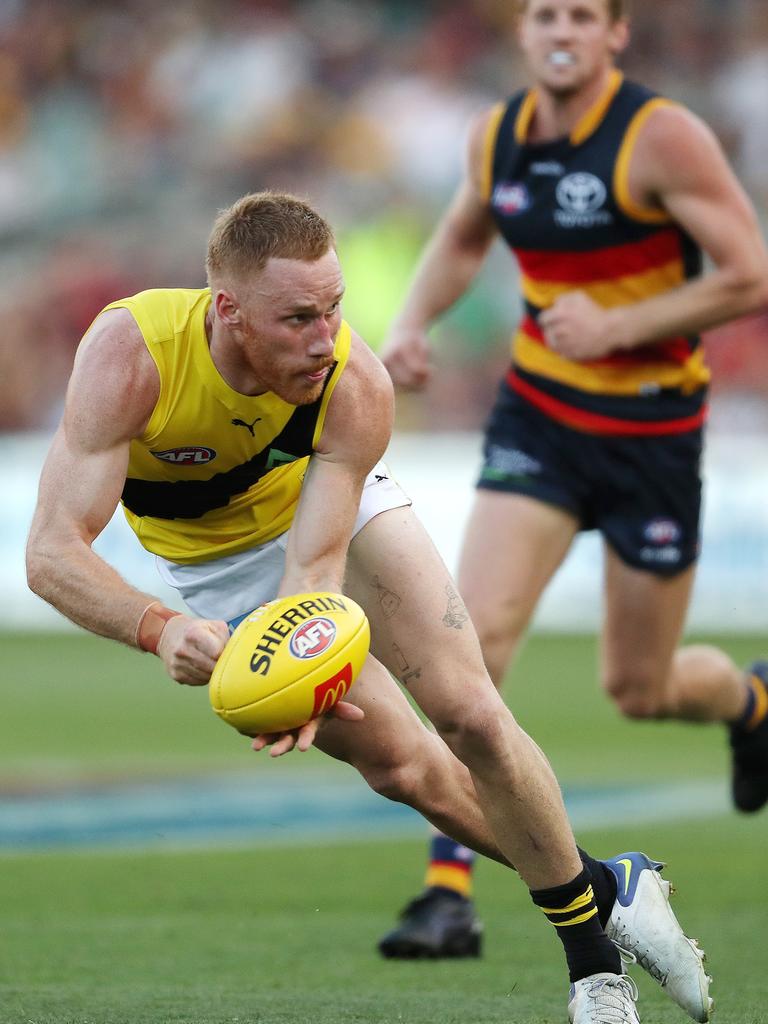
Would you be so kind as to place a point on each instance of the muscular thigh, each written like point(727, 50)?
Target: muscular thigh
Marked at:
point(647, 508)
point(644, 619)
point(420, 628)
point(531, 501)
point(512, 546)
point(390, 735)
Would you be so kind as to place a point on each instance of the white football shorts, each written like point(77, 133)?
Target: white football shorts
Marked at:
point(231, 587)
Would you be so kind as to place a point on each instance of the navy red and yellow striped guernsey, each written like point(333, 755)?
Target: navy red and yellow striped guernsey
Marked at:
point(565, 209)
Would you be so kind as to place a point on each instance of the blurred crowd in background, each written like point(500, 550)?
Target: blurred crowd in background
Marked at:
point(126, 124)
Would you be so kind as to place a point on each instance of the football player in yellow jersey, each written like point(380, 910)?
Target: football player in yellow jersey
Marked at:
point(606, 194)
point(267, 342)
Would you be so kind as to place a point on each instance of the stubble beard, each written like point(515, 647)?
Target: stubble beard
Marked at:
point(297, 395)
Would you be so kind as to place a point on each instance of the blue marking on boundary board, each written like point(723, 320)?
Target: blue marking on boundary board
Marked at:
point(237, 809)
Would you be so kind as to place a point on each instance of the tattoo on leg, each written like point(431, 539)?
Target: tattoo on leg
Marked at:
point(388, 600)
point(456, 614)
point(405, 672)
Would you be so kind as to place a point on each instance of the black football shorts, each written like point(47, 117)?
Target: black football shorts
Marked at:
point(642, 493)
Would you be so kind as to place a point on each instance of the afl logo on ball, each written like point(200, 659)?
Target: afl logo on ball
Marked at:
point(312, 637)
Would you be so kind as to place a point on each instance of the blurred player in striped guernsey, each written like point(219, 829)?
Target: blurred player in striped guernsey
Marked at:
point(608, 195)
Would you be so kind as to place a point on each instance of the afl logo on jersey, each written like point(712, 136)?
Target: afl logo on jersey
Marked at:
point(581, 197)
point(511, 198)
point(191, 455)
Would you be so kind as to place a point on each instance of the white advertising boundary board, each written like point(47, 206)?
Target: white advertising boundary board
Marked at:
point(438, 471)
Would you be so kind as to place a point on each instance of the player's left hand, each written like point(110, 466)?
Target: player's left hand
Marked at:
point(576, 327)
point(189, 648)
point(303, 737)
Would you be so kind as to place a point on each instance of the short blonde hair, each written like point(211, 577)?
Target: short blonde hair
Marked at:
point(616, 8)
point(265, 225)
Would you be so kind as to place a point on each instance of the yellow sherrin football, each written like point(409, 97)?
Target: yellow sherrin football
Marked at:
point(289, 661)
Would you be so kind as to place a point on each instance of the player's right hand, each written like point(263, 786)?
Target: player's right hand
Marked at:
point(189, 648)
point(406, 355)
point(303, 737)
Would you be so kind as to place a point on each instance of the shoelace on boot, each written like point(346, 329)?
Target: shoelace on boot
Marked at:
point(643, 958)
point(613, 1001)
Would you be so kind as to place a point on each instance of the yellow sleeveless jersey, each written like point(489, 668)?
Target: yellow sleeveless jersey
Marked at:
point(215, 472)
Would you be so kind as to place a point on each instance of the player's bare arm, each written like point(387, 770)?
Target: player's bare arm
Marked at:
point(677, 167)
point(450, 262)
point(357, 429)
point(356, 432)
point(112, 393)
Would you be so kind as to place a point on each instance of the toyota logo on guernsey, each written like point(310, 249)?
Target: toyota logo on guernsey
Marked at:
point(581, 197)
point(312, 637)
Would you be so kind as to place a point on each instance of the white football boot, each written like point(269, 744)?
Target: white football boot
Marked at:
point(603, 999)
point(644, 928)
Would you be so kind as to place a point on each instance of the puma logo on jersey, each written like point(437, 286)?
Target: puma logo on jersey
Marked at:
point(248, 426)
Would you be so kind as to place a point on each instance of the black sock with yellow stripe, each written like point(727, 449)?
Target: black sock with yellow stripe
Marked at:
point(756, 700)
point(603, 884)
point(571, 908)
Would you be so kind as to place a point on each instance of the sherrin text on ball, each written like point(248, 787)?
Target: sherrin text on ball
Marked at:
point(290, 661)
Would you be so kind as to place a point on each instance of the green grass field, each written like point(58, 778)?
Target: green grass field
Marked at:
point(287, 935)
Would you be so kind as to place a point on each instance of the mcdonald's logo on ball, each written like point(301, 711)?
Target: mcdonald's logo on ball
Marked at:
point(290, 661)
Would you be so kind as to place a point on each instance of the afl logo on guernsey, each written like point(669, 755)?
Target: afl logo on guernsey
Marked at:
point(511, 198)
point(312, 637)
point(191, 455)
point(581, 197)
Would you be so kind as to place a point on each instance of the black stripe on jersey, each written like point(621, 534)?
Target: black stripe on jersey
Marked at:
point(191, 499)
